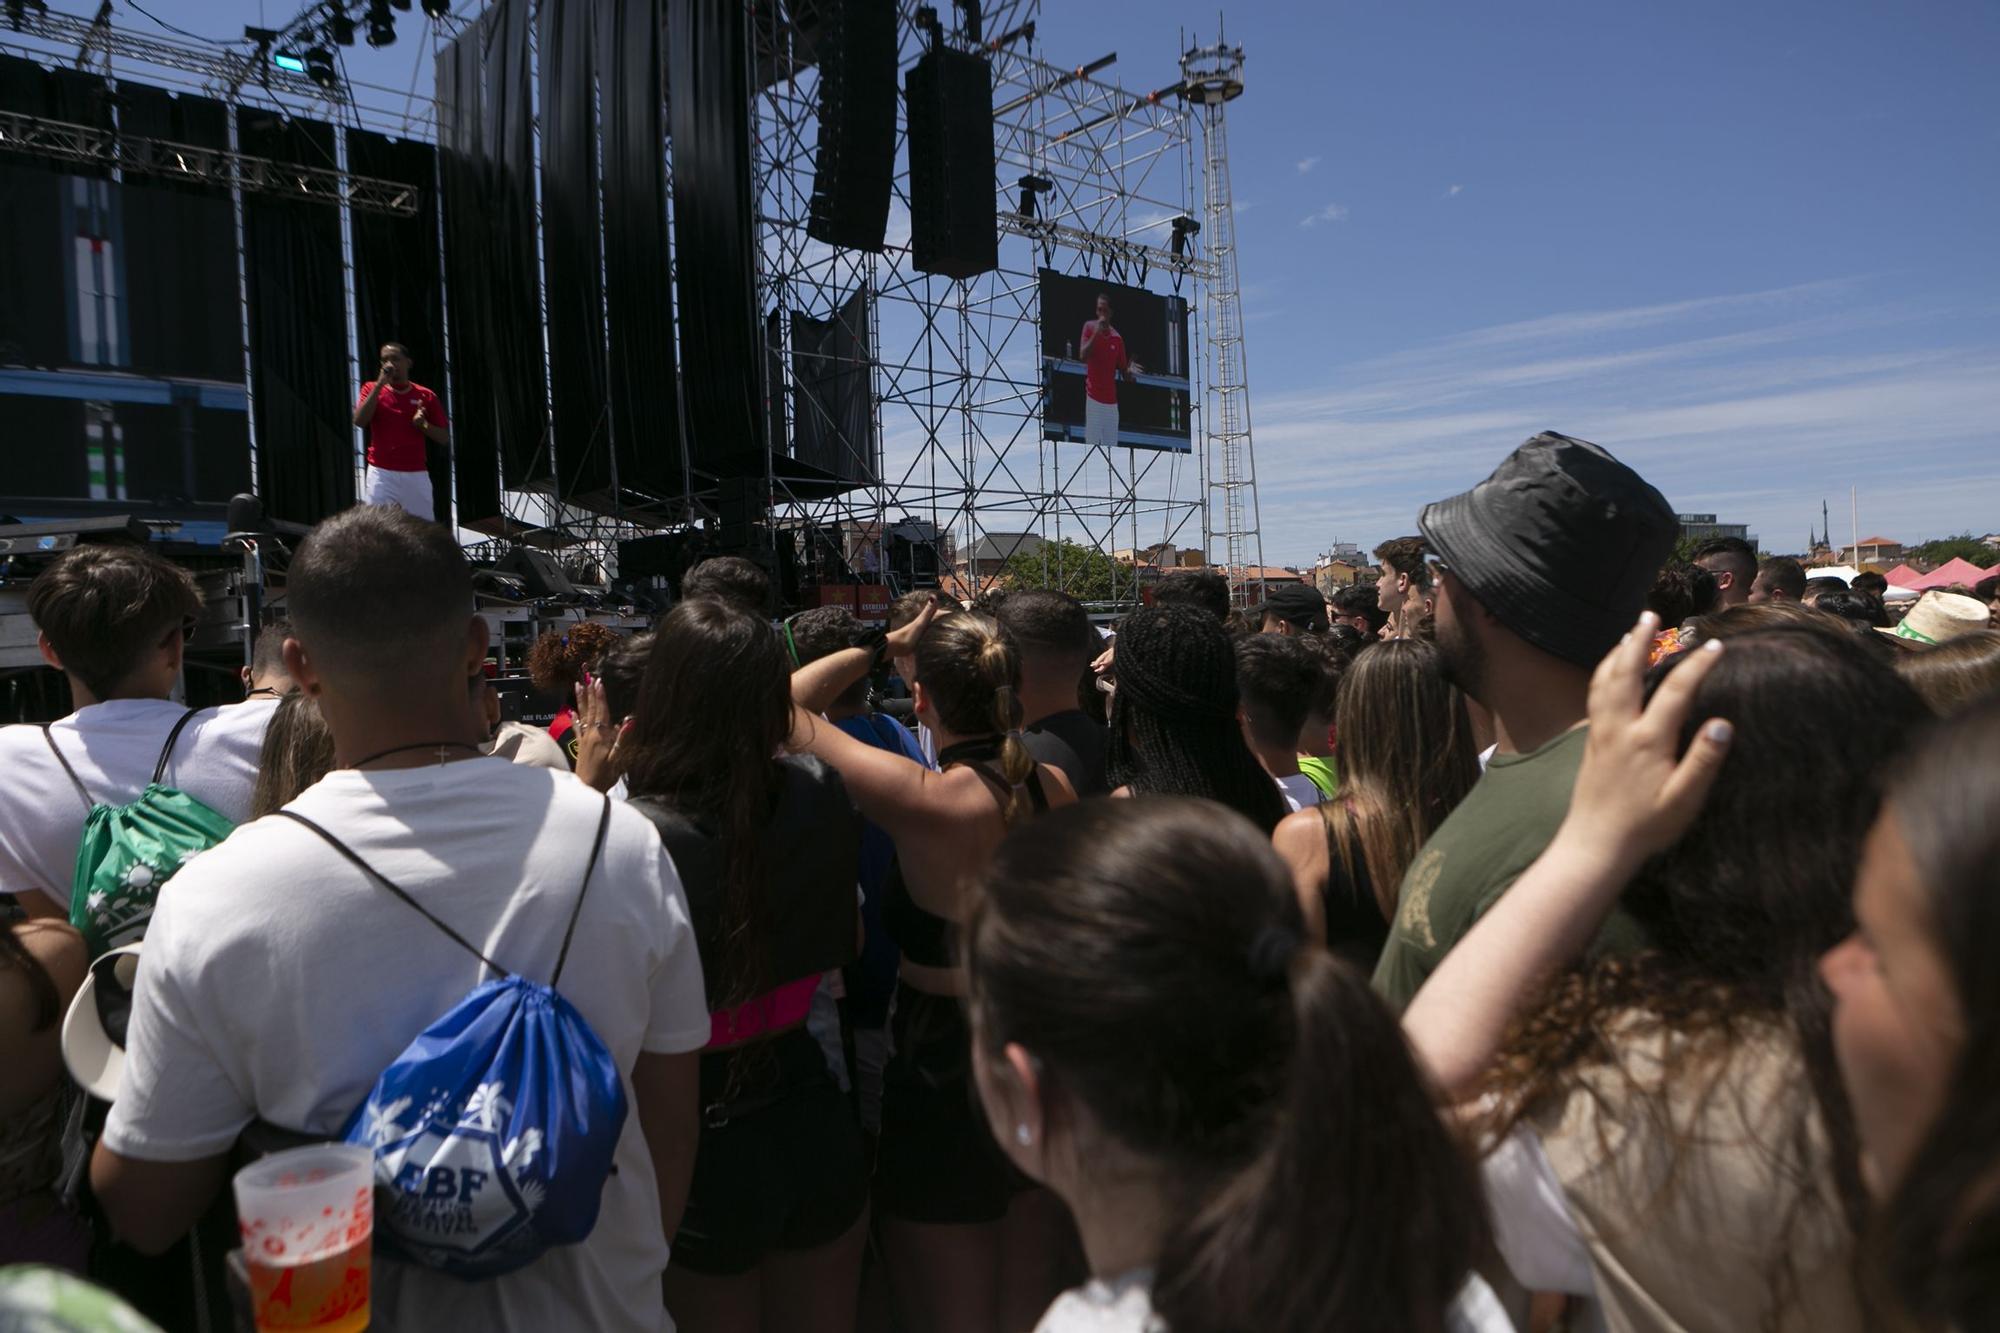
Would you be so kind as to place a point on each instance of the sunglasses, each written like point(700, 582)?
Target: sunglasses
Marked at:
point(1434, 565)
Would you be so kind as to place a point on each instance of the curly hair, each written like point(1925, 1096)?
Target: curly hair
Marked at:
point(558, 659)
point(1739, 911)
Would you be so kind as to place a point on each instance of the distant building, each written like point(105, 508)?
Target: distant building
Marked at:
point(1872, 551)
point(1705, 527)
point(987, 556)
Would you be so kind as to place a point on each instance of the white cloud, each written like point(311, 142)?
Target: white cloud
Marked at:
point(1331, 213)
point(1454, 191)
point(1242, 206)
point(1747, 404)
point(1306, 164)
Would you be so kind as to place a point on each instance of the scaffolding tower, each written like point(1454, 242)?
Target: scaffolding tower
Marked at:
point(958, 364)
point(1211, 78)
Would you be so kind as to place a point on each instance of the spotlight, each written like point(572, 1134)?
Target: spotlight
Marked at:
point(403, 5)
point(436, 9)
point(1184, 227)
point(339, 26)
point(319, 67)
point(290, 61)
point(381, 24)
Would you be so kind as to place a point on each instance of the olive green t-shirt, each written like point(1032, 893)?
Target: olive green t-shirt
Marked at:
point(1482, 847)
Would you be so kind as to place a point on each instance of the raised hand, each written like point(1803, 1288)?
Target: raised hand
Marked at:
point(1636, 793)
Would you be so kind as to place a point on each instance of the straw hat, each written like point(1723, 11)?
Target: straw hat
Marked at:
point(1939, 617)
point(93, 1032)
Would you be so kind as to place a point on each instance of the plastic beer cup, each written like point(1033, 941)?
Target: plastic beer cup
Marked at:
point(307, 1217)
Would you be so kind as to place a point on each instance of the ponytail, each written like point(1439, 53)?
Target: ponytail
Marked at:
point(972, 671)
point(1351, 1211)
point(996, 659)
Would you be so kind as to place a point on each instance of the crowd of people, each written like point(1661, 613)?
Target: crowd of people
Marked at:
point(1553, 934)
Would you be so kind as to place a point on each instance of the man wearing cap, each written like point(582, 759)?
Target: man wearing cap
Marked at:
point(1537, 571)
point(1293, 608)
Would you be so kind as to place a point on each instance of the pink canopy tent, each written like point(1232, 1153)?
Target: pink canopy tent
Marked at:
point(1954, 570)
point(1902, 576)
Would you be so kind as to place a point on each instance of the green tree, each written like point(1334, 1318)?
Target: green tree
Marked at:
point(1084, 572)
point(1964, 546)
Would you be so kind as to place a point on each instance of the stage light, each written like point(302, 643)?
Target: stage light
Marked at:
point(1184, 227)
point(340, 26)
point(436, 9)
point(290, 61)
point(381, 23)
point(401, 4)
point(319, 65)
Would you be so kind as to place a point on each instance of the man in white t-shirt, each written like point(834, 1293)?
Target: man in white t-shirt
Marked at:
point(278, 980)
point(112, 619)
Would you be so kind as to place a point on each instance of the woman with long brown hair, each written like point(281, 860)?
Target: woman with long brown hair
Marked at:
point(1667, 1137)
point(1231, 1114)
point(970, 1247)
point(1916, 1024)
point(1407, 758)
point(767, 847)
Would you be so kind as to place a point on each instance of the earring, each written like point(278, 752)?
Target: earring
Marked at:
point(1023, 1135)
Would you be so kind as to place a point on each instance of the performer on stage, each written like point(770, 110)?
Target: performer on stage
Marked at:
point(399, 415)
point(1103, 353)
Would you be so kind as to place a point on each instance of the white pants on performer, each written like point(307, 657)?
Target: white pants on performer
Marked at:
point(1100, 422)
point(408, 491)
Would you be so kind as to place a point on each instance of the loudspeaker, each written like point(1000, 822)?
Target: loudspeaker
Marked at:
point(542, 576)
point(740, 506)
point(953, 230)
point(857, 125)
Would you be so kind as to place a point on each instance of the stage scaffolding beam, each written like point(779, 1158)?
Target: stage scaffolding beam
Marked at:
point(64, 142)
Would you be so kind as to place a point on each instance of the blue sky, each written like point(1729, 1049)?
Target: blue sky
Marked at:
point(1750, 248)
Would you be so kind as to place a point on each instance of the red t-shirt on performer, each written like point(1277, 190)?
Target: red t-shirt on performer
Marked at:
point(395, 445)
point(1102, 364)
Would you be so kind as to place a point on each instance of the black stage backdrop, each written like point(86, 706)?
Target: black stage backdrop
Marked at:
point(499, 393)
point(708, 76)
point(475, 449)
point(398, 289)
point(298, 331)
point(833, 418)
point(34, 324)
point(513, 363)
point(646, 428)
point(578, 400)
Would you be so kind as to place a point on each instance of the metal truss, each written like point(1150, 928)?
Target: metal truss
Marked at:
point(958, 372)
point(226, 69)
point(207, 166)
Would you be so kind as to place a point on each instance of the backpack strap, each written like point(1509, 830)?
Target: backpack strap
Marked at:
point(167, 750)
point(596, 850)
point(81, 790)
point(392, 887)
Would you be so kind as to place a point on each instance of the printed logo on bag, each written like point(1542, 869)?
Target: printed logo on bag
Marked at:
point(453, 1188)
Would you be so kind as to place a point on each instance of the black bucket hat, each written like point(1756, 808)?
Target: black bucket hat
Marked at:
point(1561, 544)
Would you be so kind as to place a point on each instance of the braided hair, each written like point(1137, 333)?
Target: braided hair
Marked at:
point(971, 673)
point(1173, 719)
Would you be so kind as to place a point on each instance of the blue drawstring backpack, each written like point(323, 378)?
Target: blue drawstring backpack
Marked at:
point(493, 1132)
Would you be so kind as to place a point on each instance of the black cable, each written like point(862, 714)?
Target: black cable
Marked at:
point(192, 36)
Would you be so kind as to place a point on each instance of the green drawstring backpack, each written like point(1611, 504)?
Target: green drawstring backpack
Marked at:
point(128, 851)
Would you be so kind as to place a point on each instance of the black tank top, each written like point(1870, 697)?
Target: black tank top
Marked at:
point(924, 937)
point(810, 851)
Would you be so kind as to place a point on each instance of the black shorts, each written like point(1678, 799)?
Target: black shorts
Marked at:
point(937, 1161)
point(780, 1166)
